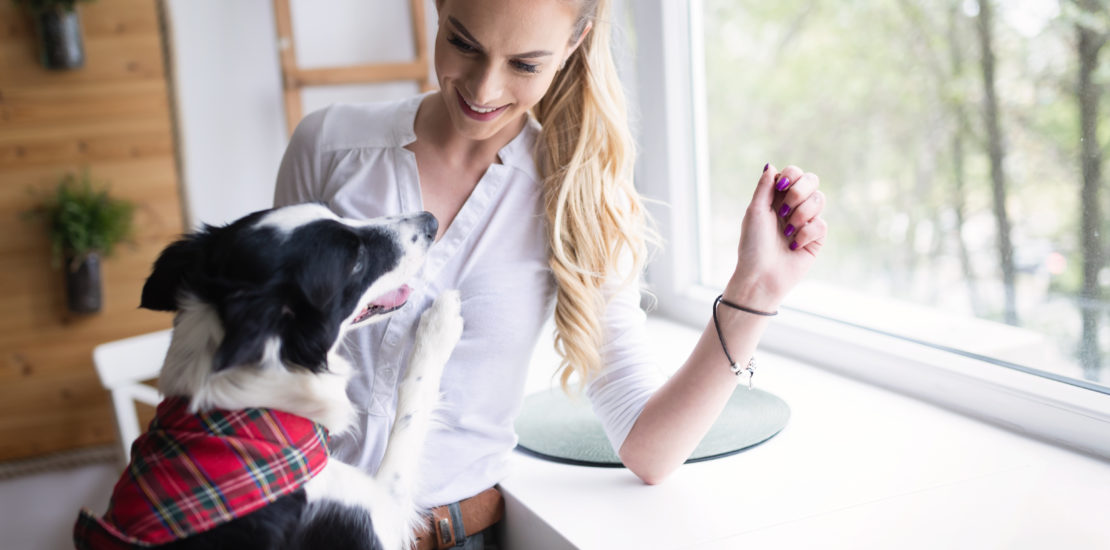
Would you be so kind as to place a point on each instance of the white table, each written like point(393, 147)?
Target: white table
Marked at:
point(856, 467)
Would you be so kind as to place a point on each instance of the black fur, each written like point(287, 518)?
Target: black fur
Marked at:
point(300, 291)
point(289, 524)
point(332, 525)
point(268, 528)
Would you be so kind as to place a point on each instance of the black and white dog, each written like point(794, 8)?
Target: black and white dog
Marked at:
point(261, 306)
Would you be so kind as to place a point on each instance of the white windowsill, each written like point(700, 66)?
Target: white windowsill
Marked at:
point(1033, 405)
point(857, 466)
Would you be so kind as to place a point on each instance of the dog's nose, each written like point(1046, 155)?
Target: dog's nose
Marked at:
point(430, 225)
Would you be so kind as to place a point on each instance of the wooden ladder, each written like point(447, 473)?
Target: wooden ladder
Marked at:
point(294, 78)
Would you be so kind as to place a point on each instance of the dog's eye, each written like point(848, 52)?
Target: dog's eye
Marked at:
point(360, 256)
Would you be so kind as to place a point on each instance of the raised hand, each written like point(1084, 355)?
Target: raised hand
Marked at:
point(782, 233)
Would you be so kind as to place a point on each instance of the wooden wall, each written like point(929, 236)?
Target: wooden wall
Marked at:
point(112, 117)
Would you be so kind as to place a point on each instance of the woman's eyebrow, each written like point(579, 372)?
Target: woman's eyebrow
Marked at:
point(462, 30)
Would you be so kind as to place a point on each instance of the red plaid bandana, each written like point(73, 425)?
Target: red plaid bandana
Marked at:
point(192, 472)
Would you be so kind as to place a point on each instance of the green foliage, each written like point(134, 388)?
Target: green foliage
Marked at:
point(81, 219)
point(39, 6)
point(885, 101)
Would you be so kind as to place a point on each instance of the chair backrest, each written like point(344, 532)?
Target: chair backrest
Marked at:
point(122, 365)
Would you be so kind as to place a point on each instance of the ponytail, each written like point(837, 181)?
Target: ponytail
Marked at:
point(593, 213)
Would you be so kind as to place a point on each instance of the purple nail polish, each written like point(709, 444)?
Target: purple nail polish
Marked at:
point(794, 245)
point(783, 184)
point(766, 166)
point(790, 231)
point(784, 210)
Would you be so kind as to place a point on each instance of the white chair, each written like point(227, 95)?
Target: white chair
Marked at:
point(122, 366)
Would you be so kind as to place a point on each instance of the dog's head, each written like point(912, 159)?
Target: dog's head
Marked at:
point(299, 276)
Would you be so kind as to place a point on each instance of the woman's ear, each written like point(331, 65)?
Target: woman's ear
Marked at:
point(581, 38)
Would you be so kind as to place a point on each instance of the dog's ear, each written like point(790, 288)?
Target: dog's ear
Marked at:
point(250, 319)
point(308, 335)
point(326, 269)
point(317, 310)
point(253, 317)
point(312, 325)
point(169, 274)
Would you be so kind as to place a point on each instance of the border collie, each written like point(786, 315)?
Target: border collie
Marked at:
point(236, 456)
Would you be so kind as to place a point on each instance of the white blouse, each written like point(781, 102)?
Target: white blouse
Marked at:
point(353, 159)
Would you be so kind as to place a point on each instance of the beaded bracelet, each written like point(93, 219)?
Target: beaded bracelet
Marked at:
point(737, 369)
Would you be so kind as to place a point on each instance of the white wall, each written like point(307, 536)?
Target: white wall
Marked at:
point(227, 86)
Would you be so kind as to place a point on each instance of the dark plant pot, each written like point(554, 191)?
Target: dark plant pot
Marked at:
point(83, 283)
point(59, 33)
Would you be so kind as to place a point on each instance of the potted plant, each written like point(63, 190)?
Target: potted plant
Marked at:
point(59, 32)
point(83, 224)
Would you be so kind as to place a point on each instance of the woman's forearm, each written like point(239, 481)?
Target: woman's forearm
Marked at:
point(682, 411)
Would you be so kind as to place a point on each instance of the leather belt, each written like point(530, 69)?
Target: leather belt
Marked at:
point(452, 523)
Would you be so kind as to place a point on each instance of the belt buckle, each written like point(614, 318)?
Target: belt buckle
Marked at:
point(445, 531)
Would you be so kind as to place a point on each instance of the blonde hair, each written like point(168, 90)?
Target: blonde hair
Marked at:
point(595, 218)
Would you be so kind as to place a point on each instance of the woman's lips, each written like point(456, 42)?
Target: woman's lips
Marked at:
point(468, 111)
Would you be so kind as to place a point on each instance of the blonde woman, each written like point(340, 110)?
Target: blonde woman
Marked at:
point(525, 158)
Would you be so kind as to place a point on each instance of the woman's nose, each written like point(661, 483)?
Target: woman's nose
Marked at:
point(486, 86)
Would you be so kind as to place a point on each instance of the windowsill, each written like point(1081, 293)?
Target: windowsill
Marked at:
point(857, 466)
point(1038, 406)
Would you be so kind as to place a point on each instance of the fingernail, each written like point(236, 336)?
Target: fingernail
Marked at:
point(790, 231)
point(784, 210)
point(794, 245)
point(783, 184)
point(766, 166)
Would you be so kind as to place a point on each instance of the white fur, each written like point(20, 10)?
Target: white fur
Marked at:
point(350, 486)
point(289, 218)
point(417, 397)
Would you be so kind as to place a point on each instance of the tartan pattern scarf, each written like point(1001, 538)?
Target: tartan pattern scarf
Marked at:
point(191, 472)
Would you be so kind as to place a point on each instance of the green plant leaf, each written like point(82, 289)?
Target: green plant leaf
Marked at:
point(80, 219)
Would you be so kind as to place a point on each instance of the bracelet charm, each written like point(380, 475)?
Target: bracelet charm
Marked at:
point(748, 370)
point(739, 371)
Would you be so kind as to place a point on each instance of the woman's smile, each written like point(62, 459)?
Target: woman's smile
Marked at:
point(478, 112)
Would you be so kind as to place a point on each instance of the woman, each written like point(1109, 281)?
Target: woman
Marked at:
point(538, 216)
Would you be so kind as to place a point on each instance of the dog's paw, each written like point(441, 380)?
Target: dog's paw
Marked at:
point(441, 325)
point(443, 321)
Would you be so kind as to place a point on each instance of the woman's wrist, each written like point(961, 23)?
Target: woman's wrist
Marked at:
point(751, 294)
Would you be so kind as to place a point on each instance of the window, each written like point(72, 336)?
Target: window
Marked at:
point(974, 204)
point(888, 102)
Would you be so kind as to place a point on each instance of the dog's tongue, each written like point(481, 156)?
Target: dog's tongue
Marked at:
point(393, 298)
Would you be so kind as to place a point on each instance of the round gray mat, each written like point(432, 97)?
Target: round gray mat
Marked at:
point(556, 427)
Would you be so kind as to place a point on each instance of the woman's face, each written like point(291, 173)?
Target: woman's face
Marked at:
point(495, 59)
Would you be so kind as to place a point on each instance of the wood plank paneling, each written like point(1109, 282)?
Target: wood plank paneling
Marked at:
point(112, 118)
point(31, 106)
point(16, 26)
point(124, 59)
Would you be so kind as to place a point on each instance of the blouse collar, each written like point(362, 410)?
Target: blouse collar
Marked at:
point(518, 153)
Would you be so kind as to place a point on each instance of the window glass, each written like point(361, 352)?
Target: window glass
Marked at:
point(961, 145)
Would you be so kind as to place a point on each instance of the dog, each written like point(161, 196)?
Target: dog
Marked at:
point(236, 456)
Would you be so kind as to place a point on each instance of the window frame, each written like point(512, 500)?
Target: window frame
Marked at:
point(667, 76)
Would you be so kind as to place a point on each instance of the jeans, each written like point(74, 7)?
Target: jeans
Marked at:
point(482, 540)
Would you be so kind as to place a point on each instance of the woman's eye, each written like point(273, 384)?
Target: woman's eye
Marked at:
point(526, 67)
point(460, 45)
point(466, 48)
